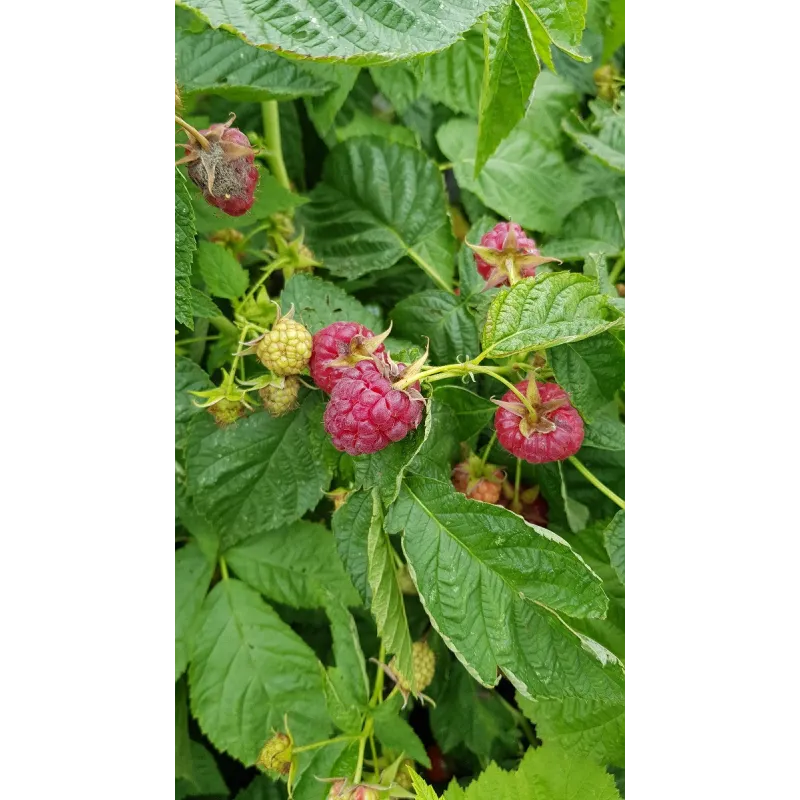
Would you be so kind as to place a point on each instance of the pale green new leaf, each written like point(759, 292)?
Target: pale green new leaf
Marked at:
point(193, 573)
point(589, 729)
point(294, 565)
point(351, 524)
point(217, 62)
point(378, 202)
point(356, 31)
point(614, 536)
point(223, 274)
point(549, 310)
point(510, 69)
point(591, 371)
point(318, 303)
point(185, 246)
point(387, 604)
point(492, 585)
point(262, 472)
point(248, 669)
point(442, 318)
point(395, 733)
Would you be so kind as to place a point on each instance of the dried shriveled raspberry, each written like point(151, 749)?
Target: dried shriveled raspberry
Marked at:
point(366, 413)
point(555, 434)
point(424, 660)
point(280, 398)
point(286, 349)
point(276, 755)
point(224, 170)
point(477, 480)
point(340, 346)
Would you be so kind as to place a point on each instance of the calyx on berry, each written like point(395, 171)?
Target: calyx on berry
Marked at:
point(505, 255)
point(226, 403)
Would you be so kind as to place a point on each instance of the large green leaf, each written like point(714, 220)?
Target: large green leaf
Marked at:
point(387, 598)
point(294, 565)
point(603, 136)
point(590, 729)
point(378, 202)
point(614, 537)
point(183, 753)
point(323, 110)
point(453, 77)
point(189, 377)
point(549, 310)
point(334, 760)
point(590, 370)
point(492, 586)
point(395, 733)
point(223, 274)
point(605, 430)
point(193, 573)
point(545, 773)
point(473, 412)
point(357, 31)
point(593, 227)
point(262, 472)
point(216, 62)
point(511, 67)
point(248, 669)
point(185, 246)
point(262, 788)
point(318, 303)
point(351, 524)
point(442, 318)
point(206, 781)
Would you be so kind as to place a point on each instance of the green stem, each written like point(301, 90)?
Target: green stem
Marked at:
point(616, 270)
point(521, 397)
point(197, 339)
point(488, 449)
point(596, 482)
point(517, 477)
point(429, 270)
point(378, 689)
point(374, 752)
point(223, 568)
point(237, 356)
point(272, 139)
point(324, 743)
point(361, 747)
point(254, 288)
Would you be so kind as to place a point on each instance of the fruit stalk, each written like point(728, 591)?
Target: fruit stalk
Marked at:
point(596, 482)
point(272, 139)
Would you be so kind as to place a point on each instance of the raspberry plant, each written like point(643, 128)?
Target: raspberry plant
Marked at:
point(399, 301)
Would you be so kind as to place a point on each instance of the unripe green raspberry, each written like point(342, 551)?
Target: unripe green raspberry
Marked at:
point(405, 580)
point(286, 349)
point(276, 755)
point(424, 660)
point(280, 400)
point(226, 412)
point(403, 778)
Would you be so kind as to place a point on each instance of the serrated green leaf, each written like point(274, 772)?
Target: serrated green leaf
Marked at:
point(193, 573)
point(217, 62)
point(195, 523)
point(398, 83)
point(270, 198)
point(614, 537)
point(591, 371)
point(563, 21)
point(318, 303)
point(421, 789)
point(378, 202)
point(588, 729)
point(387, 604)
point(491, 583)
point(355, 31)
point(294, 565)
point(384, 470)
point(441, 448)
point(185, 246)
point(183, 754)
point(510, 69)
point(223, 274)
point(347, 649)
point(614, 29)
point(473, 412)
point(262, 472)
point(453, 77)
point(342, 710)
point(207, 780)
point(334, 760)
point(351, 524)
point(363, 124)
point(323, 110)
point(545, 773)
point(466, 713)
point(248, 669)
point(395, 733)
point(441, 317)
point(603, 137)
point(595, 266)
point(189, 377)
point(203, 306)
point(605, 431)
point(593, 227)
point(549, 310)
point(262, 788)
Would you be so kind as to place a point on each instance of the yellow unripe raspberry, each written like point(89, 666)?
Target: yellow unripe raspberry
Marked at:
point(286, 349)
point(424, 660)
point(276, 755)
point(280, 400)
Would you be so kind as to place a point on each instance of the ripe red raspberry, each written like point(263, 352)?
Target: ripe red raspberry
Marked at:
point(440, 770)
point(554, 435)
point(224, 170)
point(346, 343)
point(478, 481)
point(366, 413)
